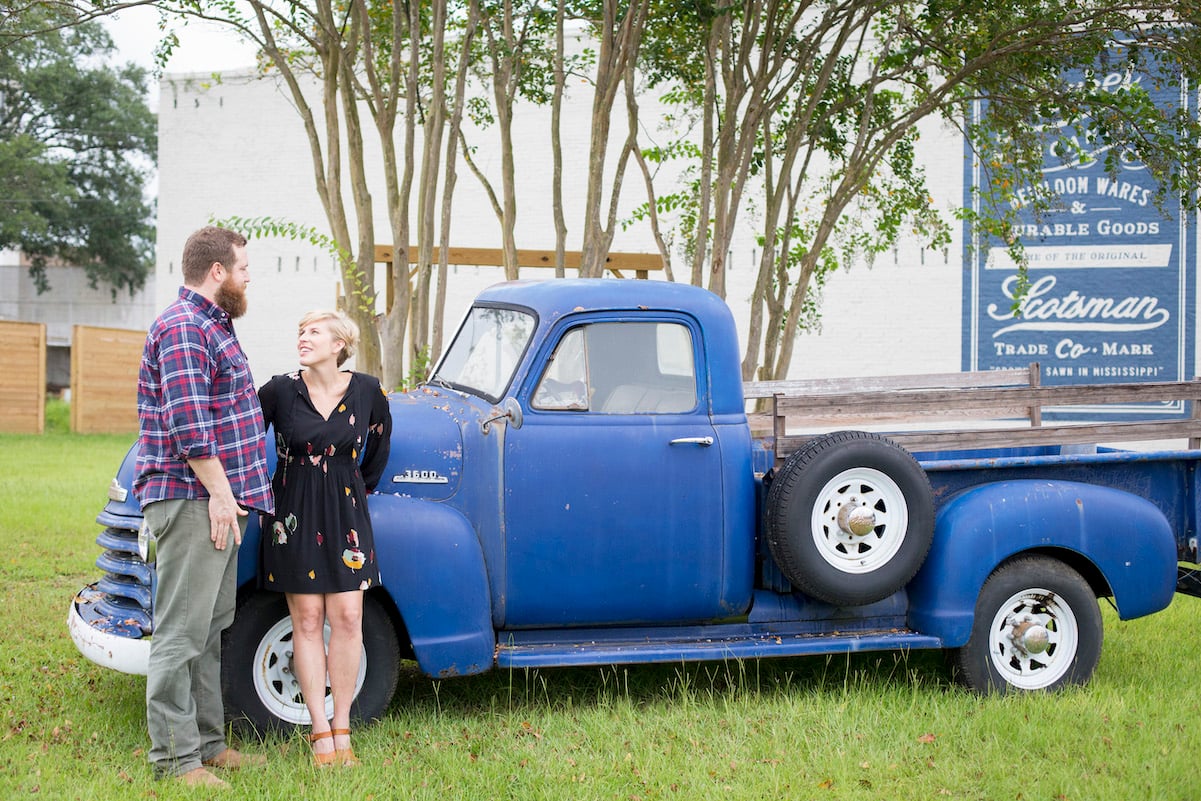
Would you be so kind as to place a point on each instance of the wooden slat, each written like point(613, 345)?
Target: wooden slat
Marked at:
point(812, 386)
point(23, 386)
point(967, 439)
point(494, 257)
point(973, 410)
point(104, 379)
point(967, 403)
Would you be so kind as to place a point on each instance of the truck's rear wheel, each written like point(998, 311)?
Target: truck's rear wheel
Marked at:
point(1037, 627)
point(850, 518)
point(259, 686)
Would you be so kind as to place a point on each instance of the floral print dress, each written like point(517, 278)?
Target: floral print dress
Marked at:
point(320, 539)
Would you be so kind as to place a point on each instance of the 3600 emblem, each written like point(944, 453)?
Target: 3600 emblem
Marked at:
point(419, 477)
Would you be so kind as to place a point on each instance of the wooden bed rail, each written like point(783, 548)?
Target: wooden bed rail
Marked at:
point(971, 410)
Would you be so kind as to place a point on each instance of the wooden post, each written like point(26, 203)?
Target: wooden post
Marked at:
point(1036, 411)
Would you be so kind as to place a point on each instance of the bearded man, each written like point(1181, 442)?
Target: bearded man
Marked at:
point(201, 466)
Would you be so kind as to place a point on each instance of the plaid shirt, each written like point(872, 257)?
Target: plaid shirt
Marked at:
point(196, 400)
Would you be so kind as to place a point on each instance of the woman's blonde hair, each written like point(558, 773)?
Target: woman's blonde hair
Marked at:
point(341, 328)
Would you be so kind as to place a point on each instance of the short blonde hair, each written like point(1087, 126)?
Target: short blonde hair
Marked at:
point(341, 328)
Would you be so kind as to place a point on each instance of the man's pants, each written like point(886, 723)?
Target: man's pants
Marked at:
point(193, 603)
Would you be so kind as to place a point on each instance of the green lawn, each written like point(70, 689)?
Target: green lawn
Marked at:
point(875, 726)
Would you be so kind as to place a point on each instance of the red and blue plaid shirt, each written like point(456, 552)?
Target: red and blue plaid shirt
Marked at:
point(196, 400)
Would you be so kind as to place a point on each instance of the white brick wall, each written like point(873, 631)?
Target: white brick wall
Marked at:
point(237, 147)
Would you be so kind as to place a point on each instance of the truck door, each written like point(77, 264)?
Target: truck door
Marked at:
point(613, 483)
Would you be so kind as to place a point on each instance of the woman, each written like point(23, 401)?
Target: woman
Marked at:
point(318, 548)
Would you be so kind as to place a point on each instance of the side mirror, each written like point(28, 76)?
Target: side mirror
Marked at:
point(510, 410)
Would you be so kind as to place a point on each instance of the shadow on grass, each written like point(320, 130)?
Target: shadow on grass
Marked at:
point(550, 689)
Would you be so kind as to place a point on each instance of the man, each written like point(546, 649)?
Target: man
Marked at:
point(201, 466)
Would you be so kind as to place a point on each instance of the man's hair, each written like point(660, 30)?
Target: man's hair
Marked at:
point(208, 245)
point(341, 328)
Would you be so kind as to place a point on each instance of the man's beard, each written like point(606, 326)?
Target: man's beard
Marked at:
point(232, 298)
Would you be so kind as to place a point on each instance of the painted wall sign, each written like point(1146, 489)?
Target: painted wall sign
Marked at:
point(1111, 287)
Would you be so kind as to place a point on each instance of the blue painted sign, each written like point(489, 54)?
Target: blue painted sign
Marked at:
point(1111, 289)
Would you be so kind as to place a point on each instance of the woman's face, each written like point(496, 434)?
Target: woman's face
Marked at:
point(315, 344)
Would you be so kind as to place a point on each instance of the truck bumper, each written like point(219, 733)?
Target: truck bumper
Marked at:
point(107, 641)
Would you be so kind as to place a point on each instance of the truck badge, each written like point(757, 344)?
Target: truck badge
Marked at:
point(419, 477)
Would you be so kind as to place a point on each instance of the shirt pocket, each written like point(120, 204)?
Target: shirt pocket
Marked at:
point(232, 381)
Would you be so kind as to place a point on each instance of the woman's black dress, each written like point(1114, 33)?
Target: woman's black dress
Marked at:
point(320, 538)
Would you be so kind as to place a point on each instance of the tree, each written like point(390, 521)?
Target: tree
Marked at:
point(77, 147)
point(515, 64)
point(813, 108)
point(806, 112)
point(618, 28)
point(352, 70)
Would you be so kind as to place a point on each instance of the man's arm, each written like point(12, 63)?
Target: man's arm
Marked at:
point(223, 508)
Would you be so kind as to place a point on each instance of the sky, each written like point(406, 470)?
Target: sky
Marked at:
point(204, 47)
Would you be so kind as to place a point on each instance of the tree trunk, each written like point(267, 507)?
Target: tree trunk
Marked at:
point(556, 145)
point(618, 50)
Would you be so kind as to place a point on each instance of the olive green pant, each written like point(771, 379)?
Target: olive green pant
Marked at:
point(194, 602)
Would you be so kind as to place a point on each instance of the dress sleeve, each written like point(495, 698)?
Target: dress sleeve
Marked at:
point(269, 400)
point(379, 433)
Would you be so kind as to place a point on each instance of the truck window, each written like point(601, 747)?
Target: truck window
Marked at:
point(564, 384)
point(621, 368)
point(486, 350)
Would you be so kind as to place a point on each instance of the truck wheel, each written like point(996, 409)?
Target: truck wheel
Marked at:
point(259, 687)
point(1037, 627)
point(850, 518)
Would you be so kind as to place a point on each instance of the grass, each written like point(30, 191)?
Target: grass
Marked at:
point(871, 726)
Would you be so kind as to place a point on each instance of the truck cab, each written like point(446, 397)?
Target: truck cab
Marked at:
point(615, 451)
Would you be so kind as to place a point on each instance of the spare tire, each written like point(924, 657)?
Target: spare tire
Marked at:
point(849, 518)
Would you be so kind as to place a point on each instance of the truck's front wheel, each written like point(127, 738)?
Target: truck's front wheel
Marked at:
point(1037, 627)
point(258, 681)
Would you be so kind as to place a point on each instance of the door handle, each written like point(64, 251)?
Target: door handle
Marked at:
point(705, 441)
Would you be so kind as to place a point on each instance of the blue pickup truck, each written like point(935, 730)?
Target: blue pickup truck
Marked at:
point(579, 484)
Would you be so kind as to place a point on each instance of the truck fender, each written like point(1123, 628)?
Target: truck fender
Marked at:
point(1125, 537)
point(432, 566)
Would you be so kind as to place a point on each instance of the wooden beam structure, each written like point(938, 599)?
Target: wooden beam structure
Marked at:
point(641, 264)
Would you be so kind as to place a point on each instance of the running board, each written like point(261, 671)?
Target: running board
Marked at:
point(523, 650)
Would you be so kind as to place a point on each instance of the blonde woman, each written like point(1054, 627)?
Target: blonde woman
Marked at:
point(332, 430)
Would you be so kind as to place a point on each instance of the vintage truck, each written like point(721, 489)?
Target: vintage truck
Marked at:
point(582, 481)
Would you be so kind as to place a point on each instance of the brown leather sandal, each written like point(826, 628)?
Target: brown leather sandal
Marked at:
point(345, 756)
point(323, 760)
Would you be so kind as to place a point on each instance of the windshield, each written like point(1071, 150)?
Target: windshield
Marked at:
point(486, 351)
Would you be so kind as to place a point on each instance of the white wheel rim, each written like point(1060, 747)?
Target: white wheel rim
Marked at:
point(874, 491)
point(1036, 671)
point(275, 681)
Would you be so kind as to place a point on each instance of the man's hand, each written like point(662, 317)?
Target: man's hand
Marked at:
point(223, 508)
point(223, 517)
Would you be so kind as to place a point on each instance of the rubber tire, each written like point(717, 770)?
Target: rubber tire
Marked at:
point(990, 666)
point(256, 618)
point(815, 559)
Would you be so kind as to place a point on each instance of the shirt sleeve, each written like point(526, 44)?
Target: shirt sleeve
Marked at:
point(379, 434)
point(186, 373)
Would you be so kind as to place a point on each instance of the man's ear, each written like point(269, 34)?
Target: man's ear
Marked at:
point(217, 272)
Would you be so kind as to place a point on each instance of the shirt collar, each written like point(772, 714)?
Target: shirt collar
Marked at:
point(206, 306)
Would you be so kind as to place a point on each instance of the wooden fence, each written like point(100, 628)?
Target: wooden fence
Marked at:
point(22, 377)
point(104, 379)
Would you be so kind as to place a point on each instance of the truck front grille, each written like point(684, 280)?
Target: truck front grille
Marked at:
point(123, 599)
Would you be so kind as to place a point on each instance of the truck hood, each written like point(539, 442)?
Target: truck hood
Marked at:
point(426, 459)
